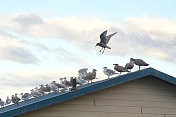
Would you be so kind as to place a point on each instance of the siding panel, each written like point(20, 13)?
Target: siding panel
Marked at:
point(145, 97)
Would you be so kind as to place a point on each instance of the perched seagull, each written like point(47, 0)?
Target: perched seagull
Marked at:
point(120, 68)
point(25, 96)
point(91, 75)
point(62, 83)
point(53, 87)
point(82, 72)
point(108, 72)
point(2, 103)
point(35, 93)
point(8, 100)
point(45, 88)
point(139, 62)
point(104, 39)
point(63, 90)
point(79, 80)
point(66, 82)
point(36, 89)
point(15, 99)
point(57, 84)
point(129, 65)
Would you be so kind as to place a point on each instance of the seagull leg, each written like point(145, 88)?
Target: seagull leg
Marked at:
point(139, 67)
point(101, 49)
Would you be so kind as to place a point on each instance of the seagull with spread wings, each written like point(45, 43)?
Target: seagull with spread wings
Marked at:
point(104, 39)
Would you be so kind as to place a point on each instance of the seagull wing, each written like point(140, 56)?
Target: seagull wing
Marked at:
point(110, 71)
point(103, 38)
point(109, 36)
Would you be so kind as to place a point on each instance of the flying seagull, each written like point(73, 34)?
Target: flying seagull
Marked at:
point(139, 62)
point(108, 72)
point(104, 39)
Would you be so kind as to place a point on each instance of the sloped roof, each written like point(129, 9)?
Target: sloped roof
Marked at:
point(36, 103)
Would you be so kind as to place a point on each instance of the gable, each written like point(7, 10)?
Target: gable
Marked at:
point(145, 97)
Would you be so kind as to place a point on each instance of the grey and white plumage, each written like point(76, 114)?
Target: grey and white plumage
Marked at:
point(2, 103)
point(79, 80)
point(139, 62)
point(25, 96)
point(129, 65)
point(15, 99)
point(57, 84)
point(66, 82)
point(45, 88)
point(8, 100)
point(35, 93)
point(82, 72)
point(63, 85)
point(104, 39)
point(53, 87)
point(36, 89)
point(91, 75)
point(120, 68)
point(108, 72)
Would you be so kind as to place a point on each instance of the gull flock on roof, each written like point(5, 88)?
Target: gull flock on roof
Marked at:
point(83, 77)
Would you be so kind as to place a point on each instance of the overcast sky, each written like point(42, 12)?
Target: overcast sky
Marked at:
point(43, 40)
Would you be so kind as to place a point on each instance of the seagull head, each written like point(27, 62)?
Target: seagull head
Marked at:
point(115, 64)
point(94, 70)
point(104, 68)
point(98, 44)
point(131, 59)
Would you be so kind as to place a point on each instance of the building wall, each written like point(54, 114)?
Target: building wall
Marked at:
point(144, 97)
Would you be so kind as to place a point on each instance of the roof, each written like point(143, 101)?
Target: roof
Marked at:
point(39, 102)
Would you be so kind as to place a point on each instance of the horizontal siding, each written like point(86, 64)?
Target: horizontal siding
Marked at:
point(159, 110)
point(95, 108)
point(135, 103)
point(132, 96)
point(131, 115)
point(145, 97)
point(170, 115)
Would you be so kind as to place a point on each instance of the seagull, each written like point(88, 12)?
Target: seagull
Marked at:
point(45, 88)
point(38, 90)
point(25, 96)
point(139, 62)
point(15, 99)
point(129, 65)
point(8, 101)
point(2, 103)
point(82, 72)
point(53, 87)
point(57, 84)
point(108, 72)
point(62, 83)
point(35, 93)
point(120, 68)
point(91, 75)
point(79, 80)
point(66, 82)
point(104, 40)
